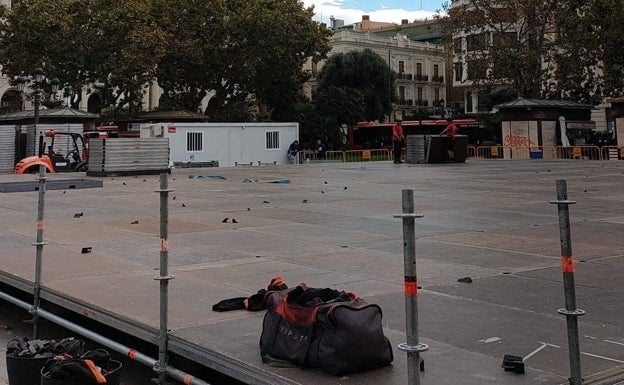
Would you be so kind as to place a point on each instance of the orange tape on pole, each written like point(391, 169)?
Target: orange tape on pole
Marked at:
point(164, 244)
point(132, 353)
point(188, 379)
point(567, 264)
point(411, 286)
point(40, 224)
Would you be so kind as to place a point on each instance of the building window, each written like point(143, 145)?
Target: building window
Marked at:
point(401, 94)
point(505, 39)
point(459, 71)
point(436, 71)
point(194, 141)
point(436, 94)
point(477, 69)
point(420, 94)
point(477, 42)
point(457, 45)
point(401, 66)
point(272, 140)
point(418, 69)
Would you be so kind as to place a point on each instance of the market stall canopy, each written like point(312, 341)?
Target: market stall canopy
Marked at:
point(49, 115)
point(543, 103)
point(543, 109)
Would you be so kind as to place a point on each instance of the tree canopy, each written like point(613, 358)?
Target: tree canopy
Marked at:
point(351, 87)
point(227, 49)
point(363, 77)
point(540, 48)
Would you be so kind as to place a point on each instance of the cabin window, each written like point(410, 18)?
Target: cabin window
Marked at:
point(194, 141)
point(272, 140)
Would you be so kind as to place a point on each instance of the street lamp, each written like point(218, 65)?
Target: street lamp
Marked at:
point(38, 79)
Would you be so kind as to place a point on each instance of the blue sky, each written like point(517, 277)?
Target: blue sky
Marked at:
point(392, 11)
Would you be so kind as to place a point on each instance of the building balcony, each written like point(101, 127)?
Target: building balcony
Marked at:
point(422, 78)
point(437, 79)
point(422, 102)
point(405, 102)
point(404, 76)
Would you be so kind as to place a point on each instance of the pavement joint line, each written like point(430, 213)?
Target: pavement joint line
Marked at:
point(543, 345)
point(603, 357)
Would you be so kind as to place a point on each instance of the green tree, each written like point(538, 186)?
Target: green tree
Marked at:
point(232, 49)
point(590, 59)
point(506, 42)
point(367, 83)
point(127, 52)
point(84, 42)
point(351, 87)
point(226, 49)
point(540, 48)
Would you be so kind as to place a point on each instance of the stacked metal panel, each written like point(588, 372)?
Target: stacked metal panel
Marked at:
point(128, 156)
point(7, 149)
point(416, 150)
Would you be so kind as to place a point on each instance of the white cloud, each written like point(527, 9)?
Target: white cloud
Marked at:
point(324, 9)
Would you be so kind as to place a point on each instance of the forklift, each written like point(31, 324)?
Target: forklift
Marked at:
point(76, 159)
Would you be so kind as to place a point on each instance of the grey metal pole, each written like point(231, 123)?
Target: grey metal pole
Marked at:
point(567, 266)
point(39, 243)
point(164, 278)
point(132, 354)
point(37, 103)
point(412, 347)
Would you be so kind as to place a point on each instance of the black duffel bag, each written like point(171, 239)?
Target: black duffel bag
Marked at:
point(331, 330)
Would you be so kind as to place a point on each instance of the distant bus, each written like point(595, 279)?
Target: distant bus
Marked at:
point(367, 135)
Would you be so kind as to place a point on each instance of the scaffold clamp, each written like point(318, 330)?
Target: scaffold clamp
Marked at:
point(408, 215)
point(562, 202)
point(405, 347)
point(576, 312)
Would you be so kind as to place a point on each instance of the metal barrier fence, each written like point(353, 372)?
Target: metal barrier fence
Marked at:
point(492, 152)
point(335, 156)
point(480, 152)
point(579, 152)
point(379, 154)
point(547, 152)
point(612, 152)
point(403, 153)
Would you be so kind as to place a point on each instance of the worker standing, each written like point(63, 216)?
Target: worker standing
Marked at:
point(450, 131)
point(397, 140)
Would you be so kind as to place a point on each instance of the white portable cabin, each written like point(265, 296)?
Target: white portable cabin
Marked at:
point(228, 144)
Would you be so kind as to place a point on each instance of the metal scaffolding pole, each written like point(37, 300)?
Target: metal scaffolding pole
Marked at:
point(412, 347)
point(132, 354)
point(39, 243)
point(567, 266)
point(164, 278)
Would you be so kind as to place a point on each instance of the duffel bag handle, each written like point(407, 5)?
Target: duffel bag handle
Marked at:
point(294, 314)
point(303, 312)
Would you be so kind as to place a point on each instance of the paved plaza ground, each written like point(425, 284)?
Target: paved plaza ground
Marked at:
point(332, 226)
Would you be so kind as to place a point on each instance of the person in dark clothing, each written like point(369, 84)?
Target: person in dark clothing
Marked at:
point(293, 152)
point(319, 149)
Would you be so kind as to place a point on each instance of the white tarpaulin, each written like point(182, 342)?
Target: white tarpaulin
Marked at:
point(564, 136)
